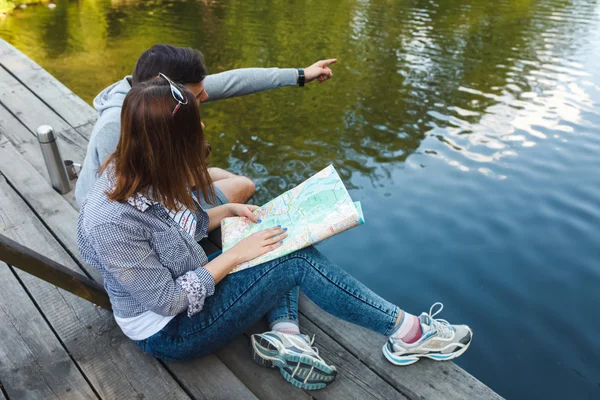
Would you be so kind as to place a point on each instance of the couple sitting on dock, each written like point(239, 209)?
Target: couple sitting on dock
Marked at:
point(147, 197)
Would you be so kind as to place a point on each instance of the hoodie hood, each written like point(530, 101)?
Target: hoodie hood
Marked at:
point(112, 96)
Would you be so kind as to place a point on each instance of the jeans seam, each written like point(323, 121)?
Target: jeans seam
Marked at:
point(342, 287)
point(392, 324)
point(235, 301)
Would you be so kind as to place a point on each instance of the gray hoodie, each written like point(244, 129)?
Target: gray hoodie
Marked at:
point(106, 132)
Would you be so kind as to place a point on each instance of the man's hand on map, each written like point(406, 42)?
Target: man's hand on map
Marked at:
point(243, 210)
point(258, 244)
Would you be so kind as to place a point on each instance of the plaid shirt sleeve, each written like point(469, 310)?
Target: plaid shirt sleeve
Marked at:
point(128, 256)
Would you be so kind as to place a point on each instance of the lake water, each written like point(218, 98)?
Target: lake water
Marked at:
point(469, 130)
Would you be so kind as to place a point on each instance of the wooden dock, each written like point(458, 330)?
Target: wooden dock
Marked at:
point(54, 344)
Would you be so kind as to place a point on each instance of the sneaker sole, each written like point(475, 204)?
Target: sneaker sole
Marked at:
point(304, 372)
point(408, 360)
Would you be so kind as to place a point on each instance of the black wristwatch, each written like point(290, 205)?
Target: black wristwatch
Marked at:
point(300, 77)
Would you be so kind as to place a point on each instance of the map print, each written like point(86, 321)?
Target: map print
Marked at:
point(316, 209)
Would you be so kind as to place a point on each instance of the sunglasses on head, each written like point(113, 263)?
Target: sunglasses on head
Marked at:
point(177, 94)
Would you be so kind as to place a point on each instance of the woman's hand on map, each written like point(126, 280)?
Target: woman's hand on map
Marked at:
point(258, 244)
point(243, 210)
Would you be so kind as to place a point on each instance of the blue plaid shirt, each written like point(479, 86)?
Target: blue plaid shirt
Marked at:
point(148, 261)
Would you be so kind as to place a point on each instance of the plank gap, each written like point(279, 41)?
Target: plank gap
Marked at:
point(392, 384)
point(39, 98)
point(3, 393)
point(85, 272)
point(15, 116)
point(176, 379)
point(35, 304)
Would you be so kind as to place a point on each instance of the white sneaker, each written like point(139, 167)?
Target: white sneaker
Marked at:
point(440, 341)
point(299, 363)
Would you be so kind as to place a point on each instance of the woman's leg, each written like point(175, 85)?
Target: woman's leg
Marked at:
point(340, 294)
point(243, 298)
point(239, 301)
point(284, 317)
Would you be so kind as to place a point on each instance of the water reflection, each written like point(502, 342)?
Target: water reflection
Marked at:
point(484, 79)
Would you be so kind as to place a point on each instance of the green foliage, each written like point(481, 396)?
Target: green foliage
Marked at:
point(7, 6)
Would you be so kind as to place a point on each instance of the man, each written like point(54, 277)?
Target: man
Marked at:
point(186, 66)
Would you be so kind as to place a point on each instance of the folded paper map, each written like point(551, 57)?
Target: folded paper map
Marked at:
point(316, 209)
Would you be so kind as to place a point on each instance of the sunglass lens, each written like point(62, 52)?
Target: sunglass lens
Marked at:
point(177, 94)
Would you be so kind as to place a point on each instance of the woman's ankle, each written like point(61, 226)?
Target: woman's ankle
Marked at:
point(289, 327)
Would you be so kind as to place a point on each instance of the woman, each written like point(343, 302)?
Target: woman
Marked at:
point(140, 226)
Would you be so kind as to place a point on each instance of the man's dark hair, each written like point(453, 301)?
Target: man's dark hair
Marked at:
point(181, 64)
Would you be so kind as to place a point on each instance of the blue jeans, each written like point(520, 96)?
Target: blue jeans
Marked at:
point(271, 289)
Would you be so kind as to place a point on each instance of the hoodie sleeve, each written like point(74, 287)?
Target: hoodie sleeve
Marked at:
point(240, 82)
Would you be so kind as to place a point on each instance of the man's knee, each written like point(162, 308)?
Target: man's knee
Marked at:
point(244, 189)
point(249, 186)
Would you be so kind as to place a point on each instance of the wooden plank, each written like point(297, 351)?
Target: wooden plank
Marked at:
point(23, 140)
point(115, 366)
point(425, 379)
point(32, 113)
point(33, 364)
point(210, 377)
point(355, 380)
point(26, 143)
point(66, 103)
point(52, 272)
point(52, 208)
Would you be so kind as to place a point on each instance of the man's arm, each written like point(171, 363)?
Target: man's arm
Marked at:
point(240, 82)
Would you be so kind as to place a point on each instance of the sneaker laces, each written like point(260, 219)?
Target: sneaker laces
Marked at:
point(442, 326)
point(307, 342)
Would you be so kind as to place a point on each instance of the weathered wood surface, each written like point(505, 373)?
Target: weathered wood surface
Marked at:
point(56, 95)
point(32, 112)
point(53, 209)
point(264, 383)
point(209, 376)
point(33, 364)
point(26, 143)
point(355, 379)
point(52, 272)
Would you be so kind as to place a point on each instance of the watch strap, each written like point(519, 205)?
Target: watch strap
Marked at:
point(301, 77)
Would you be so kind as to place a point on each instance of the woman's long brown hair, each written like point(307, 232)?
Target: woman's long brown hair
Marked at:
point(160, 155)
